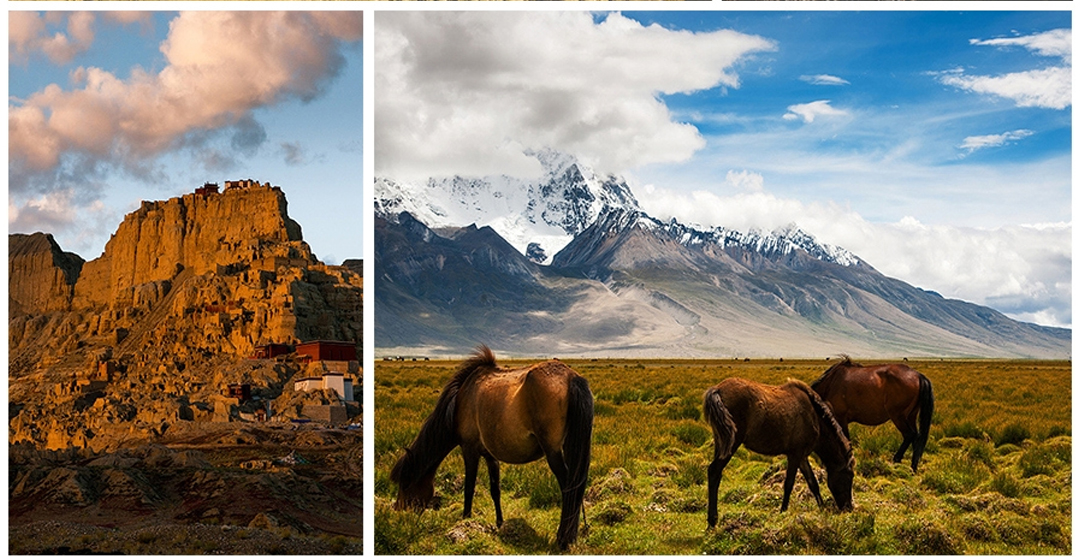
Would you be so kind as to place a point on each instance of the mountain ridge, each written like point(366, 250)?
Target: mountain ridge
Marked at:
point(677, 287)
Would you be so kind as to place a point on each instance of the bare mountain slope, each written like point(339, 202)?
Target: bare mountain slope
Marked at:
point(631, 285)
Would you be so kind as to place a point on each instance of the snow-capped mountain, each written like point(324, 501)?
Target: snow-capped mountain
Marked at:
point(462, 267)
point(782, 242)
point(538, 217)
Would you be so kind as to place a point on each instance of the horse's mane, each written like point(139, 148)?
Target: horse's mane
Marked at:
point(823, 384)
point(825, 413)
point(437, 436)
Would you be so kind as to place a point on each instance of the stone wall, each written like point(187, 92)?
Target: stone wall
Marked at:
point(330, 413)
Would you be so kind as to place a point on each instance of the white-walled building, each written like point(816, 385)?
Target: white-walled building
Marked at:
point(342, 385)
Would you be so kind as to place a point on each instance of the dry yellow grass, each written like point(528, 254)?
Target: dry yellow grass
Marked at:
point(996, 477)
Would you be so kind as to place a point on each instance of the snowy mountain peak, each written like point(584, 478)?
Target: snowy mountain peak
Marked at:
point(780, 242)
point(541, 216)
point(548, 211)
point(554, 163)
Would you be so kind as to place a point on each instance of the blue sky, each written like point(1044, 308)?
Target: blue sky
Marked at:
point(934, 145)
point(887, 68)
point(299, 127)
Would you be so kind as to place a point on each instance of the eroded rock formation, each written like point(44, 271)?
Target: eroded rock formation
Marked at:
point(155, 329)
point(46, 274)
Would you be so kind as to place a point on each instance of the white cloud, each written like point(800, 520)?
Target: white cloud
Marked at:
point(467, 93)
point(1043, 88)
point(220, 66)
point(976, 142)
point(1023, 271)
point(745, 180)
point(1057, 42)
point(809, 111)
point(824, 79)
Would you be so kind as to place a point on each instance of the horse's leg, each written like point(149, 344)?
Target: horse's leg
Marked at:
point(907, 429)
point(472, 464)
point(568, 518)
point(811, 481)
point(716, 471)
point(493, 475)
point(789, 479)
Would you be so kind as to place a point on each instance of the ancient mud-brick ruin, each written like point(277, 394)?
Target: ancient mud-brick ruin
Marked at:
point(172, 311)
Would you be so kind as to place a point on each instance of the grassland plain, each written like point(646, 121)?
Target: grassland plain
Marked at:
point(996, 477)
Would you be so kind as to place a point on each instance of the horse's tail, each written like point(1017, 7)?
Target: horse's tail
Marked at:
point(577, 446)
point(722, 424)
point(926, 413)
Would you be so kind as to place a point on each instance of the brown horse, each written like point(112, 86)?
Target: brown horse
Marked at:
point(505, 415)
point(874, 395)
point(789, 419)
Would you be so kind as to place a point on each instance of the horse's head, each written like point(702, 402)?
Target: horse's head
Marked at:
point(839, 479)
point(834, 448)
point(416, 488)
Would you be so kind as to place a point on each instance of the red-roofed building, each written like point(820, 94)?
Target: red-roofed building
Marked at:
point(322, 350)
point(271, 350)
point(207, 189)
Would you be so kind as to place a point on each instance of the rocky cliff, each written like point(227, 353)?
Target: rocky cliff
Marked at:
point(43, 275)
point(201, 233)
point(153, 330)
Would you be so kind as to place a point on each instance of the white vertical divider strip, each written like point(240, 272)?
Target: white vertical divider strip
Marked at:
point(368, 372)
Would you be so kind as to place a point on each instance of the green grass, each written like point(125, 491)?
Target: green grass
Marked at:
point(995, 479)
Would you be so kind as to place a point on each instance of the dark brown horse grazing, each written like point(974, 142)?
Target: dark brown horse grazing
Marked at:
point(874, 395)
point(789, 419)
point(505, 415)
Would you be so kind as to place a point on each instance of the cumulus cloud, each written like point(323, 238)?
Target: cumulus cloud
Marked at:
point(1049, 87)
point(219, 67)
point(468, 93)
point(824, 79)
point(976, 142)
point(809, 111)
point(66, 144)
point(1023, 271)
point(60, 36)
point(28, 33)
